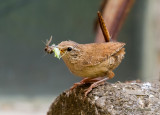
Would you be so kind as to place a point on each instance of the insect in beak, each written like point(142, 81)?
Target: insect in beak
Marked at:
point(53, 48)
point(49, 49)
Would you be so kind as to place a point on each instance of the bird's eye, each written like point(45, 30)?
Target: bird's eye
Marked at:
point(69, 49)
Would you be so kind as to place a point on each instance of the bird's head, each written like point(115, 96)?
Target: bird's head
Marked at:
point(69, 49)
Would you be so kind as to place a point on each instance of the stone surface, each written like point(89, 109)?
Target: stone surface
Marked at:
point(109, 99)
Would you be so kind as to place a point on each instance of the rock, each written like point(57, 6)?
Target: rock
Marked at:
point(109, 99)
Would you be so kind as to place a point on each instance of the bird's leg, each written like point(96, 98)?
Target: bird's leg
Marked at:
point(110, 75)
point(84, 81)
point(95, 85)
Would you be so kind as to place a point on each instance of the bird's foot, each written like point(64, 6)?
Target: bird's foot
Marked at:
point(76, 85)
point(84, 81)
point(95, 84)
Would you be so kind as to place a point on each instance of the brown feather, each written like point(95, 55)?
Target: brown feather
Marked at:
point(104, 52)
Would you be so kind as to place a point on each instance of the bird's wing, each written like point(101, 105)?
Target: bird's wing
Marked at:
point(96, 53)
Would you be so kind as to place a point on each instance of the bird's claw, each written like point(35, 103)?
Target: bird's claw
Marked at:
point(88, 90)
point(76, 85)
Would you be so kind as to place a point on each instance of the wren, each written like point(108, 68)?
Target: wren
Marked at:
point(94, 62)
point(91, 61)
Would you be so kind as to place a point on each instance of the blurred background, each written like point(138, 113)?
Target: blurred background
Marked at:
point(30, 80)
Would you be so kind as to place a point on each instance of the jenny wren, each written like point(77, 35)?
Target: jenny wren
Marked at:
point(94, 62)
